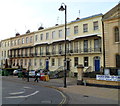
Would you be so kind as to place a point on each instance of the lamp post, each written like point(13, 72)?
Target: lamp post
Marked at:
point(28, 72)
point(65, 62)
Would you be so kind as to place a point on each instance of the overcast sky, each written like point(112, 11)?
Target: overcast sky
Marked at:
point(21, 15)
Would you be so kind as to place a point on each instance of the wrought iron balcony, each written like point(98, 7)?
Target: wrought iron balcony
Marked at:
point(59, 52)
point(47, 53)
point(53, 53)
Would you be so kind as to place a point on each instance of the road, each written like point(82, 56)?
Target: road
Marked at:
point(15, 90)
point(26, 93)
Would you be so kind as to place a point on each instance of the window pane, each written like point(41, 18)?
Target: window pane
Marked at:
point(75, 29)
point(53, 34)
point(25, 62)
point(68, 32)
point(22, 40)
point(40, 62)
point(53, 62)
point(41, 37)
point(35, 63)
point(47, 36)
point(36, 37)
point(86, 61)
point(26, 39)
point(116, 31)
point(85, 45)
point(97, 44)
point(76, 47)
point(59, 62)
point(85, 27)
point(95, 25)
point(60, 33)
point(75, 61)
point(31, 38)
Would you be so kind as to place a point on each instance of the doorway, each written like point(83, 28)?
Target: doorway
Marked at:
point(97, 63)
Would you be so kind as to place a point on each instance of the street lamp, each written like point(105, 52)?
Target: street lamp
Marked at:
point(28, 72)
point(62, 8)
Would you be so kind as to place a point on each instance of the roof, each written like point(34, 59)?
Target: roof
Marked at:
point(113, 13)
point(88, 17)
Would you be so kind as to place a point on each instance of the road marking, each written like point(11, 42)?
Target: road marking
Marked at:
point(27, 87)
point(17, 93)
point(23, 96)
point(64, 98)
point(57, 89)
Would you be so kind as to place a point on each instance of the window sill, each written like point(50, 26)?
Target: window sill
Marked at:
point(117, 42)
point(96, 30)
point(75, 33)
point(85, 32)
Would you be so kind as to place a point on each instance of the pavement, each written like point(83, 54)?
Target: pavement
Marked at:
point(79, 94)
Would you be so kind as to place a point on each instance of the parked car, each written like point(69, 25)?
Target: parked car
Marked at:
point(17, 71)
point(32, 73)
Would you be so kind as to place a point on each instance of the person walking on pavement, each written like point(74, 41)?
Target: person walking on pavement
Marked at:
point(36, 76)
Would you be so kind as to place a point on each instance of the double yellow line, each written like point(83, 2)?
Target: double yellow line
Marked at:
point(64, 97)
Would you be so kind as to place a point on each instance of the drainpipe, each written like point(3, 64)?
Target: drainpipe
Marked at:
point(103, 44)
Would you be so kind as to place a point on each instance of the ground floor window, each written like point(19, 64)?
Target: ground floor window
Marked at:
point(40, 62)
point(21, 62)
point(117, 60)
point(35, 62)
point(25, 62)
point(86, 61)
point(30, 62)
point(75, 61)
point(53, 62)
point(59, 61)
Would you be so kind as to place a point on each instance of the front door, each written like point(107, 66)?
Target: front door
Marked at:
point(68, 65)
point(97, 65)
point(47, 64)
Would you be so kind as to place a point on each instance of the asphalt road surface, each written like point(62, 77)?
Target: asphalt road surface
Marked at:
point(27, 93)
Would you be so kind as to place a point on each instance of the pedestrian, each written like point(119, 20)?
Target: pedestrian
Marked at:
point(36, 76)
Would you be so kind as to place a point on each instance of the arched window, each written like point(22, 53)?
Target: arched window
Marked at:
point(116, 32)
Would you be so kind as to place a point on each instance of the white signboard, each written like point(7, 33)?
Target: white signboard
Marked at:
point(108, 77)
point(106, 72)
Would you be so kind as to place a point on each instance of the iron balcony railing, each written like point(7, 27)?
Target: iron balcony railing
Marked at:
point(59, 52)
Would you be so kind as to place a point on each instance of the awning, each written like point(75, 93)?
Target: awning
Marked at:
point(41, 44)
point(21, 48)
point(59, 41)
point(86, 36)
